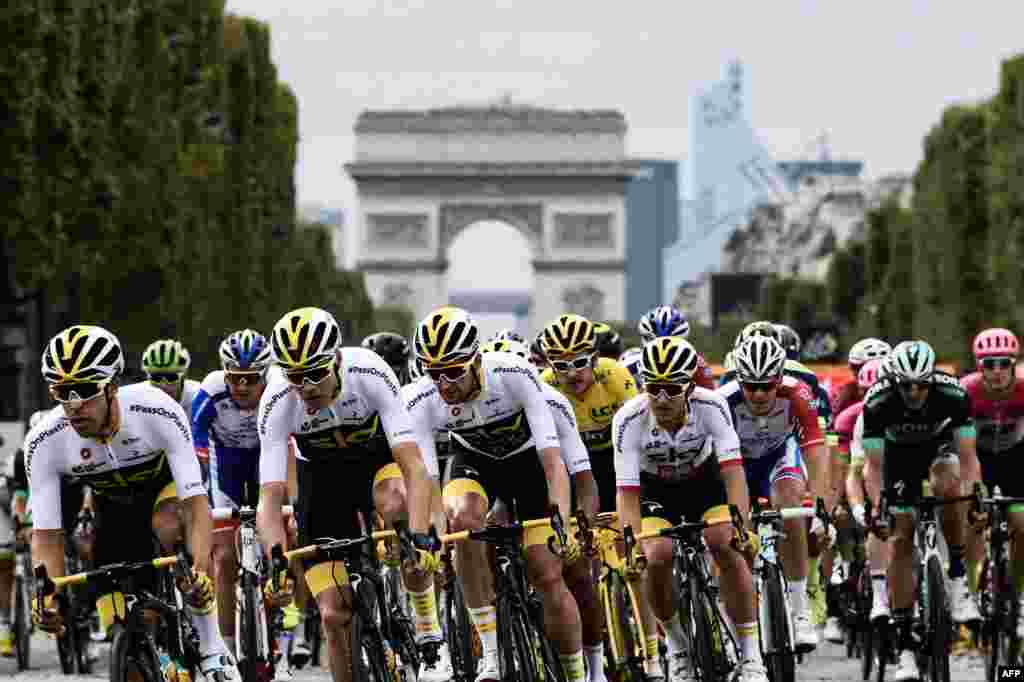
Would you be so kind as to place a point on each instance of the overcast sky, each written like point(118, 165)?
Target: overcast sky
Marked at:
point(874, 74)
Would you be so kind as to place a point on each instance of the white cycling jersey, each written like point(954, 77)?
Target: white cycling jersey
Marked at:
point(152, 431)
point(642, 446)
point(510, 415)
point(367, 411)
point(574, 453)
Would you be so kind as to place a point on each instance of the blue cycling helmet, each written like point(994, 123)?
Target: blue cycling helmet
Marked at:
point(245, 351)
point(664, 320)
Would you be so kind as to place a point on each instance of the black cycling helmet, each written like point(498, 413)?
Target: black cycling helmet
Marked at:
point(609, 343)
point(393, 348)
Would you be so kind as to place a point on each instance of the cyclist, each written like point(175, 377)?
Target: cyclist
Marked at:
point(343, 407)
point(225, 413)
point(630, 359)
point(608, 342)
point(134, 449)
point(783, 455)
point(909, 418)
point(848, 393)
point(395, 351)
point(13, 491)
point(676, 450)
point(505, 445)
point(596, 388)
point(666, 320)
point(166, 363)
point(997, 405)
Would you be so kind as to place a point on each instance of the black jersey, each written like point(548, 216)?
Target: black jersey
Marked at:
point(946, 410)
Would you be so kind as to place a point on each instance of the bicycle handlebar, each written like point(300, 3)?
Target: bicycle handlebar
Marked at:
point(226, 513)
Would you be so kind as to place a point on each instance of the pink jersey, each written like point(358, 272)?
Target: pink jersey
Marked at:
point(845, 424)
point(1000, 422)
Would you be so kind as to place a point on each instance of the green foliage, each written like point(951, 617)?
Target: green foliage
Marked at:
point(148, 182)
point(953, 263)
point(394, 318)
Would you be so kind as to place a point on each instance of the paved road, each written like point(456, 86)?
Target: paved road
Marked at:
point(829, 664)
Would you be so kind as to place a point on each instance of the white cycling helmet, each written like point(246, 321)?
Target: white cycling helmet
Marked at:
point(912, 361)
point(507, 346)
point(868, 349)
point(759, 359)
point(83, 353)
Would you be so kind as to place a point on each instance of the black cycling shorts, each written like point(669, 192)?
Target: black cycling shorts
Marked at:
point(686, 500)
point(519, 480)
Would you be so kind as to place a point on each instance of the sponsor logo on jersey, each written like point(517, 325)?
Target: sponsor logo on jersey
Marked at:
point(274, 399)
point(519, 370)
point(166, 414)
point(373, 371)
point(566, 412)
point(86, 467)
point(420, 397)
point(86, 453)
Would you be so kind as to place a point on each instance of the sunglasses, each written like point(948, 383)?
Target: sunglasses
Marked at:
point(759, 386)
point(243, 378)
point(997, 363)
point(450, 374)
point(562, 366)
point(75, 393)
point(162, 378)
point(665, 389)
point(310, 376)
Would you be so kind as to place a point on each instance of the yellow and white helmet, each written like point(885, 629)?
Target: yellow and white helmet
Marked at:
point(507, 346)
point(447, 336)
point(80, 354)
point(304, 339)
point(567, 336)
point(668, 359)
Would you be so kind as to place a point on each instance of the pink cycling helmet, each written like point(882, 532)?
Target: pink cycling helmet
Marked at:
point(995, 342)
point(868, 374)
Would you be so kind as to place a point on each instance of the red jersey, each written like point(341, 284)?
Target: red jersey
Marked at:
point(843, 395)
point(845, 424)
point(703, 376)
point(1000, 423)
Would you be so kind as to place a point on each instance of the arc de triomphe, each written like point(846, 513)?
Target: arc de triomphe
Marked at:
point(559, 177)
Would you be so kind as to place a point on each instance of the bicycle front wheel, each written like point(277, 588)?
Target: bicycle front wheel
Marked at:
point(708, 646)
point(132, 658)
point(22, 622)
point(939, 623)
point(462, 643)
point(248, 636)
point(370, 661)
point(777, 648)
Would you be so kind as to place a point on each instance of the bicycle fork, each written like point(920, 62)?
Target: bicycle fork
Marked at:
point(249, 581)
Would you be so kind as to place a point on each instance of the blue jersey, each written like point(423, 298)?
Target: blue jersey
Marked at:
point(235, 456)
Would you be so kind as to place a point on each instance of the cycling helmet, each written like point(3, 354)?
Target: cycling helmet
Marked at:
point(568, 335)
point(245, 350)
point(868, 349)
point(390, 346)
point(537, 356)
point(761, 328)
point(869, 373)
point(913, 361)
point(668, 359)
point(508, 335)
point(789, 340)
point(82, 353)
point(608, 343)
point(995, 342)
point(305, 338)
point(729, 362)
point(446, 336)
point(166, 355)
point(507, 346)
point(664, 320)
point(759, 359)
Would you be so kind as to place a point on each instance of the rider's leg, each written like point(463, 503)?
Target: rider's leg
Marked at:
point(580, 580)
point(561, 614)
point(737, 589)
point(789, 492)
point(466, 507)
point(335, 604)
point(945, 483)
point(225, 576)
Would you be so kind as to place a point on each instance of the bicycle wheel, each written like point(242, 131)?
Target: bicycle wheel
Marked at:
point(706, 661)
point(632, 629)
point(615, 634)
point(996, 619)
point(939, 624)
point(313, 634)
point(778, 650)
point(66, 645)
point(248, 635)
point(22, 622)
point(370, 661)
point(865, 629)
point(462, 643)
point(518, 656)
point(132, 657)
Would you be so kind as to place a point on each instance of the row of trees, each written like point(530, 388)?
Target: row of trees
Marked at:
point(148, 175)
point(950, 264)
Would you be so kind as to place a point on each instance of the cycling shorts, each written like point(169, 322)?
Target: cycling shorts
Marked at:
point(1003, 469)
point(904, 468)
point(784, 463)
point(232, 472)
point(702, 495)
point(519, 481)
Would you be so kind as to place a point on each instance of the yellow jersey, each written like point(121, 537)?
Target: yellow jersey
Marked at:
point(613, 387)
